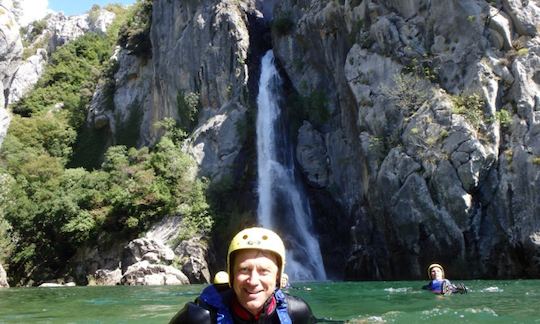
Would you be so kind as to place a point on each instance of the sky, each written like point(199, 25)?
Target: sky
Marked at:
point(36, 9)
point(77, 7)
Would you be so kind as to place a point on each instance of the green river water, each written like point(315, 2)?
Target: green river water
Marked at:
point(512, 301)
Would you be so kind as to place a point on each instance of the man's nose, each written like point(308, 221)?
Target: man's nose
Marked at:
point(253, 277)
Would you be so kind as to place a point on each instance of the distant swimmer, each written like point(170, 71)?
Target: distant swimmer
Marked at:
point(439, 284)
point(285, 284)
point(221, 281)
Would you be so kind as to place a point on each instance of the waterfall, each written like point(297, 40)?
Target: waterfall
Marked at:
point(282, 203)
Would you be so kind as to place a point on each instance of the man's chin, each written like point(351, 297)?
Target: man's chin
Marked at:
point(254, 306)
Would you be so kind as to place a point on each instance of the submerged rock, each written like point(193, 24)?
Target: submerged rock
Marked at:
point(55, 284)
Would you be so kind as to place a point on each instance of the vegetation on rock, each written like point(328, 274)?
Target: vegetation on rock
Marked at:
point(47, 209)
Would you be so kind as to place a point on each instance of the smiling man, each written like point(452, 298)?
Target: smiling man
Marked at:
point(255, 262)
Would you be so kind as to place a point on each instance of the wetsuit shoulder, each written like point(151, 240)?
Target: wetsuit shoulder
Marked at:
point(299, 310)
point(205, 308)
point(192, 313)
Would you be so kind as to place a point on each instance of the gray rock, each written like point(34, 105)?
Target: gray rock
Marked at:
point(501, 28)
point(106, 277)
point(147, 274)
point(146, 249)
point(56, 284)
point(208, 44)
point(100, 22)
point(99, 265)
point(166, 231)
point(27, 74)
point(5, 119)
point(311, 155)
point(50, 285)
point(215, 143)
point(193, 254)
point(3, 278)
point(525, 15)
point(10, 54)
point(63, 28)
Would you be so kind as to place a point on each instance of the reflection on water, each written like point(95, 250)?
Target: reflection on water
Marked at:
point(357, 302)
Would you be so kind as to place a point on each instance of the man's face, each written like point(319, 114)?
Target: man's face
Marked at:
point(255, 275)
point(436, 273)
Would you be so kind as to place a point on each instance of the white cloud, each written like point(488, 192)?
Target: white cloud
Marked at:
point(30, 10)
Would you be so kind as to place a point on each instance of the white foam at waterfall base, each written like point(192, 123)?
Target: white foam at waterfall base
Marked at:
point(304, 260)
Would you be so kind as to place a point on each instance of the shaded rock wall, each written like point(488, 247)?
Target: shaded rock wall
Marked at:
point(418, 128)
point(431, 146)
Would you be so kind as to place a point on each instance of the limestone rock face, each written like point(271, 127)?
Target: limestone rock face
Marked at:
point(106, 277)
point(524, 14)
point(3, 278)
point(419, 129)
point(10, 54)
point(62, 28)
point(146, 274)
point(193, 254)
point(143, 249)
point(311, 155)
point(5, 119)
point(431, 144)
point(27, 74)
point(131, 101)
point(199, 55)
point(147, 262)
point(58, 31)
point(99, 265)
point(157, 258)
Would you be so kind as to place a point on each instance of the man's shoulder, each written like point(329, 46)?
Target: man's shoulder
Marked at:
point(192, 313)
point(299, 310)
point(204, 308)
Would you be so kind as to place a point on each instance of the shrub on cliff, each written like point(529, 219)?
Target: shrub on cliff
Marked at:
point(69, 78)
point(134, 35)
point(53, 210)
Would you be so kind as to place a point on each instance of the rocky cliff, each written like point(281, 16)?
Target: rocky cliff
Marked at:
point(10, 55)
point(197, 58)
point(22, 69)
point(415, 123)
point(430, 147)
point(56, 30)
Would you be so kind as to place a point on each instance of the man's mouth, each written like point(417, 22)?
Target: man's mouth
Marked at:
point(252, 292)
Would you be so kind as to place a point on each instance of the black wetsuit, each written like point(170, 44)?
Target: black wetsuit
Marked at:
point(199, 312)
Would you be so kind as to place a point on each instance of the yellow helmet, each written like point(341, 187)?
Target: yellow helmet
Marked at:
point(257, 238)
point(221, 277)
point(434, 265)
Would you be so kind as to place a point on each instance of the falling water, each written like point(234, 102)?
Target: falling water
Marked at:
point(282, 204)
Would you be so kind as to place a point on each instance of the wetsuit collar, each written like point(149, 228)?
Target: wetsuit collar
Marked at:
point(244, 314)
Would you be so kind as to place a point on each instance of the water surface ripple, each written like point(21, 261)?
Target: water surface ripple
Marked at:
point(511, 301)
